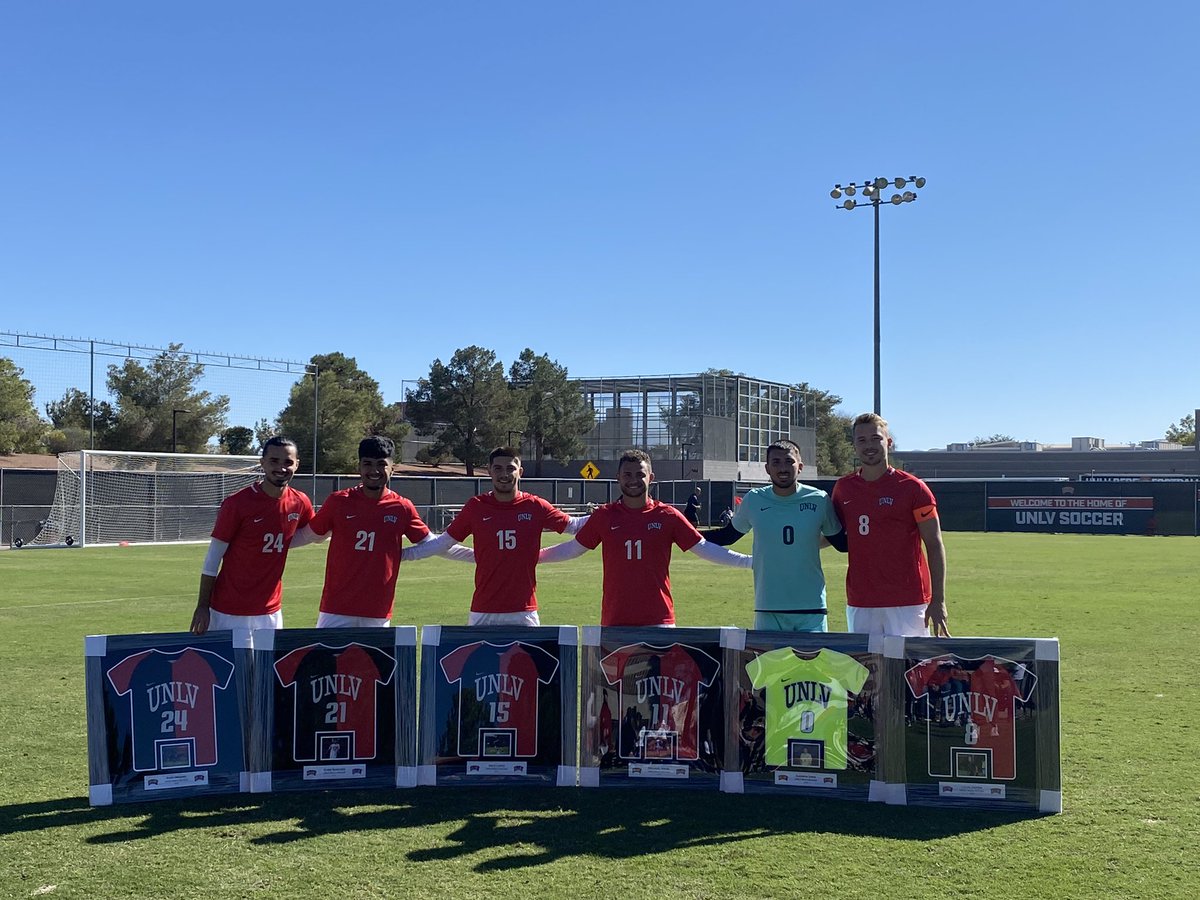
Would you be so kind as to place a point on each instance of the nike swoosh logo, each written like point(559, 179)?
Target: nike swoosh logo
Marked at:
point(928, 514)
point(259, 519)
point(613, 527)
point(763, 508)
point(351, 517)
point(487, 518)
point(844, 502)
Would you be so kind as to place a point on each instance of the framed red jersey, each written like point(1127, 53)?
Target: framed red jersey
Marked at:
point(337, 708)
point(166, 715)
point(981, 722)
point(654, 710)
point(498, 704)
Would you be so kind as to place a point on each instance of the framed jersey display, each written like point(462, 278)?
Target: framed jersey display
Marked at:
point(334, 708)
point(498, 705)
point(805, 713)
point(980, 722)
point(653, 707)
point(165, 715)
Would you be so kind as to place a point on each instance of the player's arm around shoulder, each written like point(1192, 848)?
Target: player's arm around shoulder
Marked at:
point(832, 533)
point(587, 538)
point(714, 553)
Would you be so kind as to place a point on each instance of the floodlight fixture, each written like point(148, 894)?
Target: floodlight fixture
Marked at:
point(871, 188)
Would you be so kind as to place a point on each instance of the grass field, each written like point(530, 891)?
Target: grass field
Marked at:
point(1125, 609)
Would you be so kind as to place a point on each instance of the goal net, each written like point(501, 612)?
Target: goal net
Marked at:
point(108, 496)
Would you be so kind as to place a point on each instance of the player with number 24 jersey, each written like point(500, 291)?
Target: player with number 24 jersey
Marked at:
point(258, 529)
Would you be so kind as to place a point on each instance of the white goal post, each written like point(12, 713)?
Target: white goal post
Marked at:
point(113, 497)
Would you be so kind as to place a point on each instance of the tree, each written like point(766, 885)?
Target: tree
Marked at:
point(237, 441)
point(73, 416)
point(158, 406)
point(21, 429)
point(1184, 432)
point(556, 417)
point(391, 424)
point(683, 419)
point(349, 405)
point(263, 430)
point(835, 437)
point(466, 406)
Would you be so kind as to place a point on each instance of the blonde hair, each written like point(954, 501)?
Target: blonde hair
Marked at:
point(871, 419)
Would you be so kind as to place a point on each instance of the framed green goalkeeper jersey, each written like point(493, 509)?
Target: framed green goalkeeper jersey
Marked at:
point(806, 705)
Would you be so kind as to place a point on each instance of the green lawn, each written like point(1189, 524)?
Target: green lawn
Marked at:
point(1123, 607)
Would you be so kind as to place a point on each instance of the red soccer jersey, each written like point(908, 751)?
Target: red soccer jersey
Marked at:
point(887, 566)
point(336, 693)
point(259, 530)
point(508, 537)
point(974, 715)
point(637, 559)
point(498, 696)
point(172, 700)
point(661, 689)
point(364, 551)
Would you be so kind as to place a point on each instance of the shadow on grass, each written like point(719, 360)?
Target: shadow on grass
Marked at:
point(546, 824)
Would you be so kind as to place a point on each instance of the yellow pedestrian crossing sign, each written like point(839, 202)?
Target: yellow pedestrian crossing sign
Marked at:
point(589, 470)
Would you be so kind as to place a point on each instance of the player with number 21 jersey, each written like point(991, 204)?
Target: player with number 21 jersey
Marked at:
point(364, 555)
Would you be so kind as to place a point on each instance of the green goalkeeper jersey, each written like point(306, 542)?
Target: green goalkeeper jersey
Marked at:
point(806, 701)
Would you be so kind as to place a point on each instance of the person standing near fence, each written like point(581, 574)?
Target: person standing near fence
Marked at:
point(506, 526)
point(891, 586)
point(241, 578)
point(691, 511)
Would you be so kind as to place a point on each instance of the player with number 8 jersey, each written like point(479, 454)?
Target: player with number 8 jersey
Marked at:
point(892, 587)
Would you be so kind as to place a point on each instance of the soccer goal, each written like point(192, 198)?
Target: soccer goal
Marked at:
point(112, 497)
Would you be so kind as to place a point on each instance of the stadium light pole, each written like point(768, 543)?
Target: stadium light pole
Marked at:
point(872, 191)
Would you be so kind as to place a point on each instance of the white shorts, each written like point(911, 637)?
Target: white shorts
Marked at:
point(906, 621)
point(524, 617)
point(337, 620)
point(219, 621)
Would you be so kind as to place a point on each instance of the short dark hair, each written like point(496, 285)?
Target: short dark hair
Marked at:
point(633, 455)
point(278, 440)
point(785, 444)
point(376, 447)
point(504, 451)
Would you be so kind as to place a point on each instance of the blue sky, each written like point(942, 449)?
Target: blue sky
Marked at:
point(632, 188)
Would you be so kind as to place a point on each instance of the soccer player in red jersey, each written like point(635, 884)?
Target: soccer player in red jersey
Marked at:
point(506, 524)
point(240, 583)
point(891, 586)
point(367, 525)
point(638, 533)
